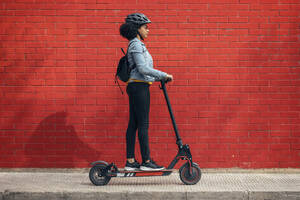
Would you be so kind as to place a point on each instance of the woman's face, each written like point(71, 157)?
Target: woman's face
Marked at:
point(143, 30)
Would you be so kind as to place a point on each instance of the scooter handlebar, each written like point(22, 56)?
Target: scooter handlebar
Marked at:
point(164, 81)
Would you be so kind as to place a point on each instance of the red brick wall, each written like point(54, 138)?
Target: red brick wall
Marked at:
point(236, 94)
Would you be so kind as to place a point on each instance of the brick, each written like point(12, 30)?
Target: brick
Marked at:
point(279, 146)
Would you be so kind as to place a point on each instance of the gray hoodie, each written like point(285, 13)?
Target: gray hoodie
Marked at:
point(139, 55)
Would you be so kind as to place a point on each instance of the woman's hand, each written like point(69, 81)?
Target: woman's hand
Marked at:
point(169, 77)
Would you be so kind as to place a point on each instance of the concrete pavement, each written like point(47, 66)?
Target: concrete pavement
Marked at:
point(217, 184)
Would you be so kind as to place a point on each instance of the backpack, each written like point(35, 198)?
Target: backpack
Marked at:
point(123, 70)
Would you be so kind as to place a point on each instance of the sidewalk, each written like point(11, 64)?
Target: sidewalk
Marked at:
point(213, 185)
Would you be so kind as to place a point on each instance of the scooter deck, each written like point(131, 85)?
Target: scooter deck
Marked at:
point(124, 173)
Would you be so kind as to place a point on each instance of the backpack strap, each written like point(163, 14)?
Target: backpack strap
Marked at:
point(116, 81)
point(123, 51)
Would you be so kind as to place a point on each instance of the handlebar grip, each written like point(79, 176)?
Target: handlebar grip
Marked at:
point(166, 80)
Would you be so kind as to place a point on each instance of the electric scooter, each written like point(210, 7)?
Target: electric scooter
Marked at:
point(190, 173)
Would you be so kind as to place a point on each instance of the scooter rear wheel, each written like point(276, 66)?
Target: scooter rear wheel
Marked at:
point(190, 178)
point(96, 175)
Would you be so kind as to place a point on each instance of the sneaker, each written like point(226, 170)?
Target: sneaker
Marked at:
point(132, 166)
point(151, 166)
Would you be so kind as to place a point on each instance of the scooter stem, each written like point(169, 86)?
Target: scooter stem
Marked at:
point(178, 139)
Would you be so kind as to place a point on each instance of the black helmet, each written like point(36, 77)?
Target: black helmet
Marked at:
point(137, 18)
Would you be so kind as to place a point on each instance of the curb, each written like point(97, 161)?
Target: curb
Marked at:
point(237, 195)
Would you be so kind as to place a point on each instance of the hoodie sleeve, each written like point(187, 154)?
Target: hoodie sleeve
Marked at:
point(141, 65)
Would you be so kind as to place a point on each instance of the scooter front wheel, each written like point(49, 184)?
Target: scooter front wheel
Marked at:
point(190, 176)
point(96, 175)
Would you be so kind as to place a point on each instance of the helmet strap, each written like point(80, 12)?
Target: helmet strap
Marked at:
point(140, 35)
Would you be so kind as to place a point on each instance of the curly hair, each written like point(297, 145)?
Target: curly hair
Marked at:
point(129, 30)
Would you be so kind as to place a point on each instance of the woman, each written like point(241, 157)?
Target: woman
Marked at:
point(135, 29)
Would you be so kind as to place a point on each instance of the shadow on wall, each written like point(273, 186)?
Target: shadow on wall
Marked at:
point(55, 144)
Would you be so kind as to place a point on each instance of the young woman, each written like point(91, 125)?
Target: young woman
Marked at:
point(136, 29)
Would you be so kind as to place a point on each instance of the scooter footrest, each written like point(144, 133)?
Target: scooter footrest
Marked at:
point(141, 171)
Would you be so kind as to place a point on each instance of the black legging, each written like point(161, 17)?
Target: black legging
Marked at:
point(139, 105)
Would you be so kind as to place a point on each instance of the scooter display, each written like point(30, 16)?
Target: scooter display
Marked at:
point(190, 173)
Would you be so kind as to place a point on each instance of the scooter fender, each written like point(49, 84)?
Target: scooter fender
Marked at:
point(99, 162)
